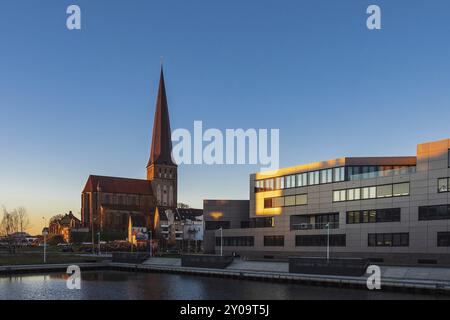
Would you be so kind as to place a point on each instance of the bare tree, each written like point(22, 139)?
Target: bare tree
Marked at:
point(23, 220)
point(8, 226)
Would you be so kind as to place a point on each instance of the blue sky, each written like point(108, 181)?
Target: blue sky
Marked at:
point(75, 103)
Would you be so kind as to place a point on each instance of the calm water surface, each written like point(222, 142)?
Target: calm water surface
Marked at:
point(152, 286)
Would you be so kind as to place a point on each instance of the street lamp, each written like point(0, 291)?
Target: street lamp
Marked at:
point(328, 241)
point(99, 248)
point(221, 241)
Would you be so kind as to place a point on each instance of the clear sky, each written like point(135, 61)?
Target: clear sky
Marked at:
point(75, 103)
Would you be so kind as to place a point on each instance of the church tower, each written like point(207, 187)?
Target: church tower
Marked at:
point(161, 169)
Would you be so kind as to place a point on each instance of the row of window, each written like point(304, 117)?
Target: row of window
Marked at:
point(443, 185)
point(336, 240)
point(373, 216)
point(236, 241)
point(273, 241)
point(440, 212)
point(332, 175)
point(369, 172)
point(384, 191)
point(265, 222)
point(315, 221)
point(301, 180)
point(388, 240)
point(286, 201)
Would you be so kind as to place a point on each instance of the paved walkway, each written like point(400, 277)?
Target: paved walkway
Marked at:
point(397, 273)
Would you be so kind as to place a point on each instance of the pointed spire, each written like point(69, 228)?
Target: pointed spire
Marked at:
point(161, 151)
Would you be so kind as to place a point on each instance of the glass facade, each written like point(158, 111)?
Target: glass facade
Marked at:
point(274, 241)
point(373, 216)
point(236, 241)
point(388, 240)
point(336, 240)
point(384, 191)
point(286, 201)
point(369, 172)
point(440, 212)
point(301, 180)
point(314, 221)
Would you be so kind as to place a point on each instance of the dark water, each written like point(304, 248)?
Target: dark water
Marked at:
point(152, 286)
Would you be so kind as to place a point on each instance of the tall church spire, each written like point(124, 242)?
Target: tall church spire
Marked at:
point(161, 151)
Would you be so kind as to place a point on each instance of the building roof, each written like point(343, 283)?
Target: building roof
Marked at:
point(161, 150)
point(118, 185)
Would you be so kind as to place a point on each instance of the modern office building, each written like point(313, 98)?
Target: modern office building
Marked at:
point(392, 210)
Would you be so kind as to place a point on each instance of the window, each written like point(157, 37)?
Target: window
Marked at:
point(336, 240)
point(314, 177)
point(289, 201)
point(290, 181)
point(301, 199)
point(236, 241)
point(384, 191)
point(268, 203)
point(368, 192)
point(277, 202)
point(388, 240)
point(215, 225)
point(339, 195)
point(266, 222)
point(441, 212)
point(279, 183)
point(353, 194)
point(274, 241)
point(401, 189)
point(374, 216)
point(339, 174)
point(302, 180)
point(443, 239)
point(443, 185)
point(326, 176)
point(314, 221)
point(449, 157)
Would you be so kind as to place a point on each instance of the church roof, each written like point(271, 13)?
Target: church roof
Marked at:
point(118, 185)
point(161, 150)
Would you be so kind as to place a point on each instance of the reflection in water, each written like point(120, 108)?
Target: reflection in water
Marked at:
point(128, 285)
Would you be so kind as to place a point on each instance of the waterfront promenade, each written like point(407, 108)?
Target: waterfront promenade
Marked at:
point(421, 279)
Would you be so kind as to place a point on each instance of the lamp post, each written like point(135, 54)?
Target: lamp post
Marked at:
point(328, 241)
point(99, 248)
point(221, 241)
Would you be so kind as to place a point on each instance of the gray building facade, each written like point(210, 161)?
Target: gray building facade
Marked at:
point(392, 210)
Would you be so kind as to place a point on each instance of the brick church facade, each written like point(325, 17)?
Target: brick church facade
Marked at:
point(108, 203)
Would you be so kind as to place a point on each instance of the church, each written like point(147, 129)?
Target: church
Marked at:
point(110, 204)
